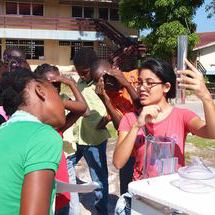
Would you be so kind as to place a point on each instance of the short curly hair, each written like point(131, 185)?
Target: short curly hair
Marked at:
point(12, 87)
point(84, 58)
point(10, 52)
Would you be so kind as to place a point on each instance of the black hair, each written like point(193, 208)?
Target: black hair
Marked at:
point(9, 53)
point(42, 69)
point(110, 82)
point(17, 62)
point(164, 71)
point(85, 57)
point(96, 64)
point(12, 87)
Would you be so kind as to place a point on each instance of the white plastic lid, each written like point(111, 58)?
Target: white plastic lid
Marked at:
point(196, 171)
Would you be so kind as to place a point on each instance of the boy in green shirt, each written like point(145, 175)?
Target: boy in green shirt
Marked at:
point(90, 132)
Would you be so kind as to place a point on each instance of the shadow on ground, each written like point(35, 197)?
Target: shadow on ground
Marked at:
point(87, 201)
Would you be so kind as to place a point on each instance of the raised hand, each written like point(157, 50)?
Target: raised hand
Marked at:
point(63, 79)
point(100, 90)
point(147, 114)
point(192, 79)
point(115, 72)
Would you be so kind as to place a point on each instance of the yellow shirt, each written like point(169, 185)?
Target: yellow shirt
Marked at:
point(85, 131)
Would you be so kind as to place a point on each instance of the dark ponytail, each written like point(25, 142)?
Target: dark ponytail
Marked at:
point(12, 87)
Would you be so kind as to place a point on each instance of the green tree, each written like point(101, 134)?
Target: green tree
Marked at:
point(210, 8)
point(167, 19)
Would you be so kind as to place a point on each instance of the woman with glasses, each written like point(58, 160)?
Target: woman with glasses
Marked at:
point(157, 117)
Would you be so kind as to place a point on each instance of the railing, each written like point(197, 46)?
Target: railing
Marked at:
point(201, 68)
point(47, 23)
point(211, 88)
point(111, 32)
point(128, 50)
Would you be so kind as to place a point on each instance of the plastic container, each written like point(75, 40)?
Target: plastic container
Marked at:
point(197, 178)
point(159, 156)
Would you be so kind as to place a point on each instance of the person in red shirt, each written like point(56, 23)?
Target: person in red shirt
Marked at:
point(77, 108)
point(157, 117)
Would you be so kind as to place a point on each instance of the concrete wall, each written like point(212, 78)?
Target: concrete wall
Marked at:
point(63, 10)
point(207, 58)
point(54, 9)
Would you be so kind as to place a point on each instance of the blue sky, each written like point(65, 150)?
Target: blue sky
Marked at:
point(203, 23)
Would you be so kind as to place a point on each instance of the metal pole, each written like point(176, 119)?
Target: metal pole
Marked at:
point(181, 55)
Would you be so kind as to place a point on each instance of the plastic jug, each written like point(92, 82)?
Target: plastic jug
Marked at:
point(159, 156)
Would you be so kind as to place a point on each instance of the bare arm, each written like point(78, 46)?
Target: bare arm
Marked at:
point(124, 147)
point(77, 108)
point(36, 193)
point(124, 82)
point(126, 140)
point(114, 114)
point(195, 82)
point(79, 105)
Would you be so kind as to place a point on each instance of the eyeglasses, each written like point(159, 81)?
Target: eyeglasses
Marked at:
point(148, 83)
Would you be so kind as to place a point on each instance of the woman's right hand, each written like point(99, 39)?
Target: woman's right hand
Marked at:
point(147, 114)
point(193, 80)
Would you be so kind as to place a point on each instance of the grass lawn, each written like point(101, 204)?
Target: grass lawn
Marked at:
point(200, 142)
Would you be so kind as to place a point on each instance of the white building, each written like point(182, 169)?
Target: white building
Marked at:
point(205, 52)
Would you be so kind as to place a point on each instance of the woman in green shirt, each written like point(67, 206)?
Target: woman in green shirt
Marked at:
point(30, 149)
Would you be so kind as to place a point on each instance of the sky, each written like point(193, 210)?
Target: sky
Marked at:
point(203, 23)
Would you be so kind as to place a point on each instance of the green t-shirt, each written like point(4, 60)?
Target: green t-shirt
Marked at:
point(85, 131)
point(25, 147)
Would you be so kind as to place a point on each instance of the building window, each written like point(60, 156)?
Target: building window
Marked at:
point(11, 8)
point(114, 14)
point(24, 9)
point(34, 49)
point(88, 12)
point(77, 45)
point(103, 13)
point(37, 9)
point(64, 43)
point(102, 51)
point(77, 11)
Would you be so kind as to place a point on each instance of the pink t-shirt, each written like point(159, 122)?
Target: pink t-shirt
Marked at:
point(175, 125)
point(2, 112)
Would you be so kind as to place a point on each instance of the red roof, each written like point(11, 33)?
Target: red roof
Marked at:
point(206, 38)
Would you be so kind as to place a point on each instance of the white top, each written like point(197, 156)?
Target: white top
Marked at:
point(165, 190)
